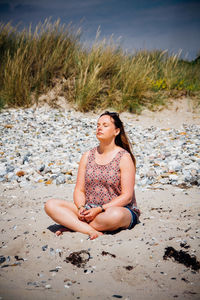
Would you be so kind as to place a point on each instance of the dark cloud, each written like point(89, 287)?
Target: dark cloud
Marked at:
point(169, 24)
point(25, 8)
point(4, 8)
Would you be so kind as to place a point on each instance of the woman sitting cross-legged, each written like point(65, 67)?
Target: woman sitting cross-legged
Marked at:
point(104, 198)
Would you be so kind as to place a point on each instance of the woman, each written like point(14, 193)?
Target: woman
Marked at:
point(104, 198)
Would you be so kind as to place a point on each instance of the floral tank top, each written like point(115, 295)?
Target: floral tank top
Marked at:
point(103, 182)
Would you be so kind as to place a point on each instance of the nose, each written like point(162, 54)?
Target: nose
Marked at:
point(99, 128)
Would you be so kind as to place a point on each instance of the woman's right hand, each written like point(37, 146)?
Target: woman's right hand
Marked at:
point(80, 214)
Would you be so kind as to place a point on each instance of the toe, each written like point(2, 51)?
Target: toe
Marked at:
point(58, 232)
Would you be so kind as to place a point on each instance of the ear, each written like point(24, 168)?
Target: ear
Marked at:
point(117, 131)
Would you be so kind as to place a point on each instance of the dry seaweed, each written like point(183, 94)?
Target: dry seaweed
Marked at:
point(79, 258)
point(182, 257)
point(108, 253)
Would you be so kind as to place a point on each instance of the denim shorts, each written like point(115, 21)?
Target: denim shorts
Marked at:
point(134, 218)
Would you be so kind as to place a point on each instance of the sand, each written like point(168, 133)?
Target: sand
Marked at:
point(127, 265)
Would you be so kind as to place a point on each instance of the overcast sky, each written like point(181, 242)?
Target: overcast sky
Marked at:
point(149, 24)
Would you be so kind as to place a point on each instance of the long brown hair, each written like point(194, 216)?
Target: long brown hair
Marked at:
point(121, 139)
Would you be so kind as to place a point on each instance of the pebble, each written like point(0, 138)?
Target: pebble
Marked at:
point(44, 248)
point(45, 147)
point(48, 286)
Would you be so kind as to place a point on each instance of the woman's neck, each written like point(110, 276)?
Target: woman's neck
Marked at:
point(106, 147)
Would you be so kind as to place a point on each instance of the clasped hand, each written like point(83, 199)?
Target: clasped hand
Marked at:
point(88, 215)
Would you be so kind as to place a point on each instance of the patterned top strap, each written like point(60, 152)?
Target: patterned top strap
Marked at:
point(116, 158)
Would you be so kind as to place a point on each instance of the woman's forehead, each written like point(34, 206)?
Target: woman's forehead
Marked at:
point(105, 118)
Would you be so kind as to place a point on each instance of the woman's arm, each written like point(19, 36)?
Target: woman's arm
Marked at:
point(79, 191)
point(127, 170)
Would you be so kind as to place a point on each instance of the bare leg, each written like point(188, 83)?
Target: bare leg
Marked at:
point(112, 219)
point(65, 213)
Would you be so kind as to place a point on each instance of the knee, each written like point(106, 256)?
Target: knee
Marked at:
point(115, 214)
point(49, 205)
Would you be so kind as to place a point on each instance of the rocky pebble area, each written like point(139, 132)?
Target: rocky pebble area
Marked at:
point(39, 146)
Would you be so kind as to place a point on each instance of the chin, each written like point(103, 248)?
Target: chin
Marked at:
point(99, 137)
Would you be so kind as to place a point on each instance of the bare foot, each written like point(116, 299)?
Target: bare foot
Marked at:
point(94, 234)
point(61, 230)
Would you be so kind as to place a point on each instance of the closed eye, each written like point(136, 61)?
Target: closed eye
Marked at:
point(104, 124)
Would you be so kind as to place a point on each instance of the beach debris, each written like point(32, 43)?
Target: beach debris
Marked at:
point(68, 285)
point(11, 261)
point(117, 296)
point(47, 286)
point(52, 251)
point(60, 179)
point(59, 251)
point(184, 244)
point(184, 279)
point(129, 268)
point(18, 258)
point(35, 283)
point(182, 257)
point(108, 253)
point(8, 126)
point(79, 258)
point(189, 228)
point(2, 259)
point(189, 293)
point(44, 248)
point(67, 279)
point(11, 265)
point(41, 168)
point(20, 173)
point(88, 271)
point(54, 270)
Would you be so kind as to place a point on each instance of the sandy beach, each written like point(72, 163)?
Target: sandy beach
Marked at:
point(36, 264)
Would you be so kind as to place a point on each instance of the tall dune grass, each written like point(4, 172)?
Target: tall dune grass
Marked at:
point(30, 60)
point(100, 77)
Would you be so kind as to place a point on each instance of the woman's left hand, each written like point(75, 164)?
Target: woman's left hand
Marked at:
point(91, 213)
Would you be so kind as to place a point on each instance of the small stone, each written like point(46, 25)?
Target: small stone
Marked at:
point(41, 168)
point(2, 259)
point(54, 270)
point(25, 159)
point(88, 271)
point(60, 179)
point(20, 173)
point(47, 286)
point(44, 248)
point(52, 252)
point(3, 171)
point(49, 182)
point(10, 168)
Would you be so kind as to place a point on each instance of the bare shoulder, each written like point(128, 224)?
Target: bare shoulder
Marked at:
point(86, 154)
point(126, 160)
point(126, 156)
point(84, 158)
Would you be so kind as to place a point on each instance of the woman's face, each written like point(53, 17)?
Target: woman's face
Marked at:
point(106, 128)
